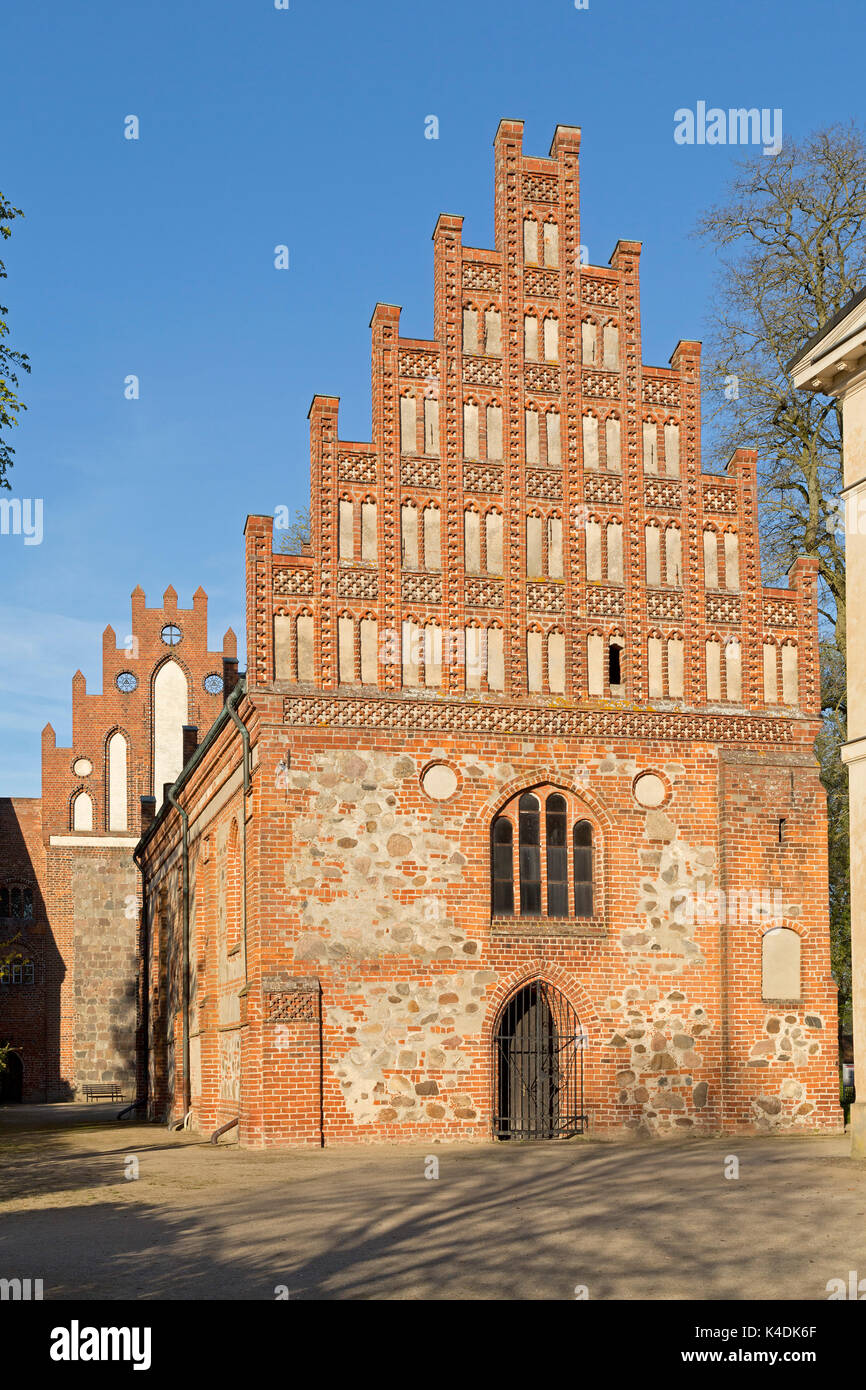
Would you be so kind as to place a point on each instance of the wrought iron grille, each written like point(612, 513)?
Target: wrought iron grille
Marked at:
point(538, 1066)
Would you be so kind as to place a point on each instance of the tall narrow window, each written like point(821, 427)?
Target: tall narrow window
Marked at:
point(650, 442)
point(305, 650)
point(673, 556)
point(493, 528)
point(595, 663)
point(411, 652)
point(431, 426)
point(653, 555)
point(530, 338)
point(493, 332)
point(732, 561)
point(529, 855)
point(432, 654)
point(409, 520)
point(557, 856)
point(614, 552)
point(495, 659)
point(711, 560)
point(611, 347)
point(347, 529)
point(369, 651)
point(534, 565)
point(432, 539)
point(503, 866)
point(551, 339)
point(170, 713)
point(346, 649)
point(554, 547)
point(790, 679)
point(590, 441)
point(530, 241)
point(470, 430)
point(616, 662)
point(408, 440)
point(733, 671)
point(551, 244)
point(472, 542)
point(368, 531)
point(593, 552)
point(714, 669)
point(588, 341)
point(672, 450)
point(675, 668)
point(556, 663)
point(531, 417)
point(554, 441)
point(582, 837)
point(470, 330)
point(476, 656)
point(494, 432)
point(117, 782)
point(533, 661)
point(770, 677)
point(655, 680)
point(612, 443)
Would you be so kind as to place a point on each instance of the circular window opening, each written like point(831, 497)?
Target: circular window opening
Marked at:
point(82, 767)
point(439, 782)
point(170, 635)
point(213, 683)
point(649, 790)
point(126, 682)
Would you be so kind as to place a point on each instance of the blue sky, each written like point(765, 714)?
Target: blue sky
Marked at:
point(304, 127)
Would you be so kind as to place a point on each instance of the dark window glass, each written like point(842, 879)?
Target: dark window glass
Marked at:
point(616, 663)
point(529, 855)
point(583, 869)
point(503, 866)
point(557, 857)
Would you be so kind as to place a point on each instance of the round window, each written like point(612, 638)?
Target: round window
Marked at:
point(213, 683)
point(170, 635)
point(82, 767)
point(126, 682)
point(439, 781)
point(649, 789)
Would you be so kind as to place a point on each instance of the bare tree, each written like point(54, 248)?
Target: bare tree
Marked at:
point(11, 361)
point(792, 243)
point(294, 538)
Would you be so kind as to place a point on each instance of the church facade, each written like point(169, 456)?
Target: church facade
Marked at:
point(70, 892)
point(514, 827)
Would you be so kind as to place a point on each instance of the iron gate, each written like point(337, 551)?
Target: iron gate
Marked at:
point(538, 1065)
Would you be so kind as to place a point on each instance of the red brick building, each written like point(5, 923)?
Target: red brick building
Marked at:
point(70, 894)
point(514, 826)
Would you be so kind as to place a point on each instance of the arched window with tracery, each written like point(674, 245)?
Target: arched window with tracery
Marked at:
point(553, 874)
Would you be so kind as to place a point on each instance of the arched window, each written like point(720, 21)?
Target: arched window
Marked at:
point(117, 782)
point(554, 852)
point(557, 857)
point(582, 837)
point(503, 866)
point(233, 890)
point(170, 713)
point(82, 812)
point(529, 855)
point(780, 964)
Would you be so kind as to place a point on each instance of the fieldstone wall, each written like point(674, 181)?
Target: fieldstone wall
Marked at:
point(105, 895)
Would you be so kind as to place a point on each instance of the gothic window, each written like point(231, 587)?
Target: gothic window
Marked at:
point(347, 529)
point(472, 541)
point(556, 662)
point(493, 537)
point(711, 560)
point(409, 529)
point(470, 430)
point(551, 339)
point(411, 652)
point(780, 964)
point(612, 443)
point(493, 332)
point(673, 556)
point(552, 873)
point(369, 651)
point(432, 654)
point(470, 330)
point(117, 756)
point(653, 554)
point(551, 244)
point(588, 341)
point(650, 446)
point(732, 561)
point(554, 547)
point(82, 812)
point(432, 539)
point(616, 663)
point(611, 347)
point(16, 901)
point(675, 667)
point(733, 671)
point(614, 552)
point(590, 441)
point(305, 646)
point(346, 649)
point(530, 338)
point(368, 532)
point(672, 449)
point(534, 554)
point(714, 669)
point(530, 241)
point(770, 675)
point(554, 441)
point(494, 432)
point(408, 440)
point(531, 417)
point(431, 426)
point(790, 683)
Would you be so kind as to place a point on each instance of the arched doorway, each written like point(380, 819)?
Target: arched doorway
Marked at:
point(538, 1066)
point(12, 1080)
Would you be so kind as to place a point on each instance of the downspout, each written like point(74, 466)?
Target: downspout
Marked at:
point(142, 1091)
point(187, 1094)
point(231, 707)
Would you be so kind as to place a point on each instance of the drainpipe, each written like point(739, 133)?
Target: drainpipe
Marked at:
point(142, 1094)
point(231, 707)
point(187, 1094)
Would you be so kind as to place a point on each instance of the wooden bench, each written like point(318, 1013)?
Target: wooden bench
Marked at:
point(103, 1091)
